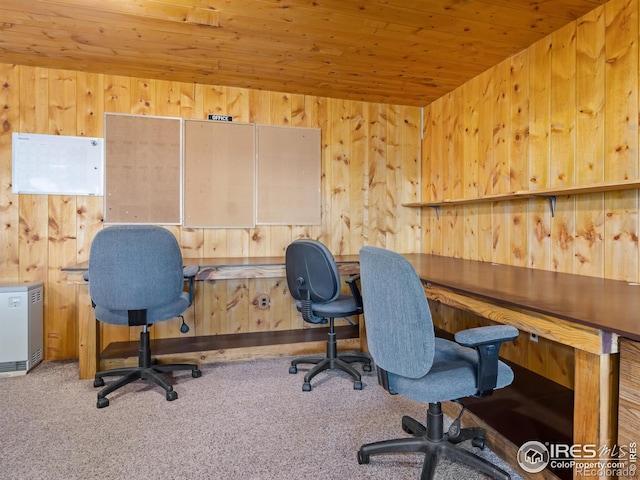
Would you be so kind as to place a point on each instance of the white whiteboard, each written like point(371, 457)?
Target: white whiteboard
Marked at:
point(57, 165)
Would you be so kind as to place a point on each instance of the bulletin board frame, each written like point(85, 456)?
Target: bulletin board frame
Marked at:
point(143, 169)
point(289, 172)
point(219, 174)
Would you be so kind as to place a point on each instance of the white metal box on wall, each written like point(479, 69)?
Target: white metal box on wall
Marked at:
point(21, 329)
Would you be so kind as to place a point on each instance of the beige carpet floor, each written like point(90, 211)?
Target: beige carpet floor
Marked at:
point(241, 420)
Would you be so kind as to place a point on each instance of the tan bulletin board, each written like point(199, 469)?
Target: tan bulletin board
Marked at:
point(288, 176)
point(219, 174)
point(142, 169)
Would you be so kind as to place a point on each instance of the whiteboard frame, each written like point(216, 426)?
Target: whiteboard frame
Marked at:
point(49, 185)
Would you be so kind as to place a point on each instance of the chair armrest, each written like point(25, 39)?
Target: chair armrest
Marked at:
point(494, 334)
point(85, 276)
point(355, 291)
point(190, 271)
point(487, 342)
point(189, 274)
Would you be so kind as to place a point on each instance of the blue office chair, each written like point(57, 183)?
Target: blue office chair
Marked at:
point(314, 283)
point(136, 278)
point(412, 362)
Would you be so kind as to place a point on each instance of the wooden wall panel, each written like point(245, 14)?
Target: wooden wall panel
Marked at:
point(590, 100)
point(62, 217)
point(583, 110)
point(9, 214)
point(452, 176)
point(621, 138)
point(518, 149)
point(32, 236)
point(562, 171)
point(539, 216)
point(471, 97)
point(500, 179)
point(214, 308)
point(573, 108)
point(44, 233)
point(90, 98)
point(436, 183)
point(117, 97)
point(357, 169)
point(575, 120)
point(427, 165)
point(501, 121)
point(485, 165)
point(408, 236)
point(394, 162)
point(339, 205)
point(376, 175)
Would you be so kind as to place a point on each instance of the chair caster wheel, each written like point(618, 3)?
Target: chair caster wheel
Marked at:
point(306, 387)
point(293, 369)
point(367, 367)
point(362, 458)
point(196, 373)
point(172, 395)
point(103, 402)
point(479, 443)
point(98, 382)
point(357, 385)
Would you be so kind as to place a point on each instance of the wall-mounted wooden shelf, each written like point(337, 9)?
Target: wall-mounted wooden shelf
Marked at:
point(547, 193)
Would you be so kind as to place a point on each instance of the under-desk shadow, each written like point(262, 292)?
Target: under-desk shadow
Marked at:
point(531, 408)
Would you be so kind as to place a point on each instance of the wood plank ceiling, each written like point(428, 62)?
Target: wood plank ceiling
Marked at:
point(406, 52)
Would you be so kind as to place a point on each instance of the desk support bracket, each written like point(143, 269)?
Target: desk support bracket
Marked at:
point(437, 208)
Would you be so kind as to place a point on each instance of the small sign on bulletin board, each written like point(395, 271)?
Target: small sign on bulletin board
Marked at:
point(57, 165)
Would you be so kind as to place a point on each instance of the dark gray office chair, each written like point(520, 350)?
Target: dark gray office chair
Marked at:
point(136, 278)
point(412, 362)
point(314, 283)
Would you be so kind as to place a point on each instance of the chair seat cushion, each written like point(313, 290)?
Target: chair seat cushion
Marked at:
point(452, 376)
point(154, 315)
point(343, 306)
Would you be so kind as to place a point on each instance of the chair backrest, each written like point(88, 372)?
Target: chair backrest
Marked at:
point(400, 332)
point(135, 268)
point(311, 268)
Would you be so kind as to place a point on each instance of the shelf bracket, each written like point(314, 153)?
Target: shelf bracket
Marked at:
point(552, 203)
point(437, 207)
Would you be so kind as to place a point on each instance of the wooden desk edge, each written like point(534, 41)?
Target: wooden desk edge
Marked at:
point(572, 334)
point(236, 272)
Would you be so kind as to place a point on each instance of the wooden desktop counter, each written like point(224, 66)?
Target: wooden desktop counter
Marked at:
point(210, 348)
point(586, 313)
point(589, 314)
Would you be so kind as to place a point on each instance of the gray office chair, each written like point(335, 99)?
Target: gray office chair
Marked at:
point(314, 283)
point(136, 278)
point(412, 362)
